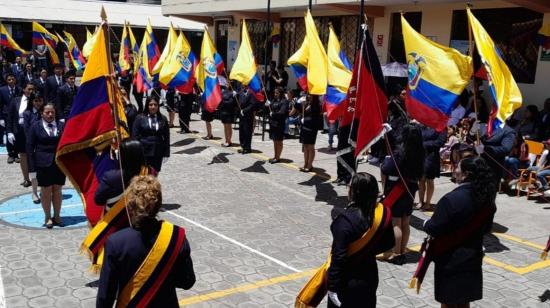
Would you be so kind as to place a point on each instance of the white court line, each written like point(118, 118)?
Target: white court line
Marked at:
point(279, 262)
point(2, 296)
point(36, 210)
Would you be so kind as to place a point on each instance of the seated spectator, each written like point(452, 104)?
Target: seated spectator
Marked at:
point(528, 125)
point(295, 114)
point(544, 122)
point(452, 139)
point(518, 158)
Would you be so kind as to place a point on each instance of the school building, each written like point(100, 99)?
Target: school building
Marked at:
point(513, 25)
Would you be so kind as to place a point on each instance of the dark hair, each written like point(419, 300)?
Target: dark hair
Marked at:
point(534, 110)
point(30, 101)
point(70, 73)
point(478, 172)
point(28, 83)
point(10, 74)
point(41, 110)
point(132, 159)
point(58, 66)
point(363, 194)
point(148, 100)
point(411, 153)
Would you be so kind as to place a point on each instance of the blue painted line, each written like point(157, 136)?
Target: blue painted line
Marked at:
point(3, 150)
point(21, 211)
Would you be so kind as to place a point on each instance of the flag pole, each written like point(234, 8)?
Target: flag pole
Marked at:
point(309, 6)
point(114, 98)
point(266, 61)
point(471, 54)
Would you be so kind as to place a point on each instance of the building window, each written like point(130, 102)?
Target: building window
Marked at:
point(397, 45)
point(513, 30)
point(257, 30)
point(293, 32)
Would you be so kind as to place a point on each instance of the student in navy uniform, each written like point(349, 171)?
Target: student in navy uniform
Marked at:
point(27, 75)
point(458, 277)
point(207, 117)
point(432, 142)
point(228, 110)
point(277, 119)
point(15, 127)
point(40, 82)
point(353, 280)
point(127, 249)
point(43, 140)
point(110, 187)
point(407, 161)
point(7, 93)
point(53, 83)
point(185, 108)
point(246, 119)
point(171, 105)
point(311, 122)
point(17, 67)
point(65, 96)
point(151, 129)
point(495, 148)
point(31, 116)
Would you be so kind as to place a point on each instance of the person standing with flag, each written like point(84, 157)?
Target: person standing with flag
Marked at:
point(277, 119)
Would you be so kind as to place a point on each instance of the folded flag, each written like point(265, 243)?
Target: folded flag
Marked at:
point(339, 77)
point(40, 36)
point(178, 70)
point(8, 42)
point(77, 59)
point(244, 69)
point(153, 52)
point(309, 63)
point(437, 77)
point(207, 74)
point(168, 48)
point(371, 102)
point(503, 87)
point(83, 152)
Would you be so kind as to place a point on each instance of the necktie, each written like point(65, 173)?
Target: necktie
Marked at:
point(50, 130)
point(154, 124)
point(58, 80)
point(11, 92)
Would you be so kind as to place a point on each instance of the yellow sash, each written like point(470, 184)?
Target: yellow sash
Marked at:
point(315, 289)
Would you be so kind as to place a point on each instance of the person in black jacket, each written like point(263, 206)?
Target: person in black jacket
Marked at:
point(311, 122)
point(27, 75)
point(458, 273)
point(496, 147)
point(432, 142)
point(53, 83)
point(405, 165)
point(31, 116)
point(130, 110)
point(110, 187)
point(126, 250)
point(65, 96)
point(185, 108)
point(15, 127)
point(246, 119)
point(43, 139)
point(277, 119)
point(40, 83)
point(7, 93)
point(353, 280)
point(151, 129)
point(228, 107)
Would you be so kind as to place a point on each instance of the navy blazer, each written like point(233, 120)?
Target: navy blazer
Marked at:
point(50, 88)
point(42, 146)
point(40, 87)
point(125, 251)
point(279, 113)
point(12, 121)
point(156, 143)
point(64, 101)
point(5, 99)
point(110, 187)
point(24, 78)
point(432, 142)
point(248, 103)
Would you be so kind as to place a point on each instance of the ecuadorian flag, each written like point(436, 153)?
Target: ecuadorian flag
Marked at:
point(339, 76)
point(41, 36)
point(83, 151)
point(7, 41)
point(75, 55)
point(244, 69)
point(170, 45)
point(309, 63)
point(209, 68)
point(178, 70)
point(147, 59)
point(437, 76)
point(504, 89)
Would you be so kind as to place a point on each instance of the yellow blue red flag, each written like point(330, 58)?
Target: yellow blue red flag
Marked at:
point(148, 56)
point(244, 69)
point(51, 51)
point(83, 151)
point(90, 41)
point(40, 35)
point(339, 76)
point(503, 87)
point(77, 59)
point(309, 63)
point(7, 41)
point(179, 69)
point(128, 48)
point(437, 77)
point(170, 44)
point(210, 67)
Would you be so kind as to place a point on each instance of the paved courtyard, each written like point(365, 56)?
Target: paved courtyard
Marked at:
point(257, 231)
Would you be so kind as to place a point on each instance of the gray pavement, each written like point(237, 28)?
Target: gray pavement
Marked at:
point(258, 230)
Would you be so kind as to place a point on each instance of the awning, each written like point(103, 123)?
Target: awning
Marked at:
point(87, 13)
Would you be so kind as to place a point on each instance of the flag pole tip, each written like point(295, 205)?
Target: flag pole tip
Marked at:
point(103, 13)
point(469, 5)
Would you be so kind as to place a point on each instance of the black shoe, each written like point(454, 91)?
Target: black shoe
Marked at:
point(59, 224)
point(274, 161)
point(11, 160)
point(26, 183)
point(35, 199)
point(545, 296)
point(49, 224)
point(17, 160)
point(398, 260)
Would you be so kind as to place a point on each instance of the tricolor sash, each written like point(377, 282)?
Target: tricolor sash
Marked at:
point(433, 247)
point(316, 288)
point(544, 253)
point(112, 221)
point(395, 193)
point(150, 276)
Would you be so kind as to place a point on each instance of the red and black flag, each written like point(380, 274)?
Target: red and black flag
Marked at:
point(371, 102)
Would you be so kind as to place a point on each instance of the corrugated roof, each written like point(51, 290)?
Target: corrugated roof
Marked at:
point(87, 12)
